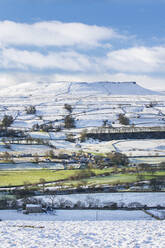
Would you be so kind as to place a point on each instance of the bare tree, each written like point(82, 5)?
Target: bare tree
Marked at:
point(52, 198)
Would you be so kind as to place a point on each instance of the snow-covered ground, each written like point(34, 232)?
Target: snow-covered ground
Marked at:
point(82, 234)
point(148, 147)
point(141, 147)
point(81, 228)
point(76, 215)
point(160, 214)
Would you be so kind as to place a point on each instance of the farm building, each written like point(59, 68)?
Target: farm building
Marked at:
point(34, 208)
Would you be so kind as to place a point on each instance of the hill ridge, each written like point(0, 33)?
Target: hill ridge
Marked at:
point(78, 88)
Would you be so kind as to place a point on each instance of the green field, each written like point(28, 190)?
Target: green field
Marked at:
point(16, 178)
point(113, 179)
point(32, 176)
point(19, 177)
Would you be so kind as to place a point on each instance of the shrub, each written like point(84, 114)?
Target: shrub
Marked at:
point(118, 158)
point(155, 184)
point(3, 203)
point(46, 127)
point(30, 110)
point(69, 121)
point(82, 174)
point(105, 122)
point(7, 120)
point(123, 119)
point(68, 107)
point(35, 127)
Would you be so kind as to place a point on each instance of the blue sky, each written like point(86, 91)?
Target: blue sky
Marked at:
point(52, 40)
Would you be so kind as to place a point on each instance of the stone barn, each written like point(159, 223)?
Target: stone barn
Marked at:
point(34, 208)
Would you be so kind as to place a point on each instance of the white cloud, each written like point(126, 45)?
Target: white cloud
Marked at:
point(128, 64)
point(69, 61)
point(54, 34)
point(136, 59)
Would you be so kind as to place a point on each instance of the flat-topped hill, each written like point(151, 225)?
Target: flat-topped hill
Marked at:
point(76, 89)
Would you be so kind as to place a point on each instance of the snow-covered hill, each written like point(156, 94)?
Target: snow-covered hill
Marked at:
point(93, 105)
point(76, 89)
point(110, 88)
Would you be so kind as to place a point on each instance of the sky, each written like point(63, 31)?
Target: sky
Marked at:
point(82, 40)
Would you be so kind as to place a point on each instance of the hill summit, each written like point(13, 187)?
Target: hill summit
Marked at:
point(76, 88)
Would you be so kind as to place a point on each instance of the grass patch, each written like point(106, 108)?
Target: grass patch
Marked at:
point(18, 177)
point(9, 178)
point(114, 179)
point(104, 176)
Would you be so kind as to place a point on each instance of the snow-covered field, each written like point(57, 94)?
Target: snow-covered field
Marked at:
point(82, 234)
point(81, 228)
point(75, 215)
point(141, 147)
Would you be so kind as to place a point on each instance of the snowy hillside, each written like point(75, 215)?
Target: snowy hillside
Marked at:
point(93, 105)
point(76, 88)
